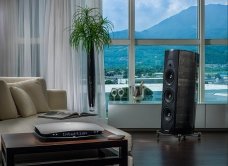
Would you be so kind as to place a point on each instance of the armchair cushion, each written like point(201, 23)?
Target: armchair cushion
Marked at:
point(57, 99)
point(23, 102)
point(8, 109)
point(36, 92)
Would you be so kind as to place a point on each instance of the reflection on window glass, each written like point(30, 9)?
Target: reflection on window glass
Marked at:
point(149, 63)
point(216, 28)
point(117, 12)
point(216, 74)
point(116, 72)
point(166, 19)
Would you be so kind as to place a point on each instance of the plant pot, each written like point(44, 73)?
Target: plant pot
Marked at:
point(91, 79)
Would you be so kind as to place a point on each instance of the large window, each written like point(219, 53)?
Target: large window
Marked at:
point(155, 26)
point(116, 71)
point(216, 51)
point(216, 74)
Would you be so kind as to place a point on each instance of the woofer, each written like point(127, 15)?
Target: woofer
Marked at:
point(169, 95)
point(167, 114)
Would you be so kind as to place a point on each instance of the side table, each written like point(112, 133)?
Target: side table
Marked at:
point(27, 149)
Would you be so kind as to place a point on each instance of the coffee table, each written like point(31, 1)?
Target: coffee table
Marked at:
point(27, 149)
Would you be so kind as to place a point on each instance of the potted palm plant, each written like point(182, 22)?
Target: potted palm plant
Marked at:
point(90, 31)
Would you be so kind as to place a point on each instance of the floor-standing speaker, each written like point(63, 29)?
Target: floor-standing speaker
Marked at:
point(178, 98)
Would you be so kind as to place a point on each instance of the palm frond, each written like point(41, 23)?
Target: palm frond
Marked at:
point(90, 28)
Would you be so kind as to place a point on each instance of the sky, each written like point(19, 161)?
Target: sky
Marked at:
point(115, 10)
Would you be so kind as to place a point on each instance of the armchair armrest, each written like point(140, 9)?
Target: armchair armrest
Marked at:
point(57, 99)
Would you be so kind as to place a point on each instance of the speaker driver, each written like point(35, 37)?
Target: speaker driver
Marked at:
point(169, 76)
point(169, 95)
point(167, 114)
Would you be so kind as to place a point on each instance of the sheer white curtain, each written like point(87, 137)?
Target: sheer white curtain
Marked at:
point(34, 41)
point(8, 38)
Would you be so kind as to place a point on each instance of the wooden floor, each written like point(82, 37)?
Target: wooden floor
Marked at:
point(211, 150)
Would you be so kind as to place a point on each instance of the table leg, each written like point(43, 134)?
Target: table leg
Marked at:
point(3, 154)
point(9, 158)
point(123, 154)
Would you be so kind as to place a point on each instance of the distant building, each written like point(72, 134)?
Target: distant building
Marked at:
point(149, 80)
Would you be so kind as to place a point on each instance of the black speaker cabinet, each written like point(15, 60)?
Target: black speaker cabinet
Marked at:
point(178, 98)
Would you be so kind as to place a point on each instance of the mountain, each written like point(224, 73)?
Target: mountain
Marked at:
point(184, 25)
point(180, 26)
point(216, 21)
point(171, 27)
point(119, 34)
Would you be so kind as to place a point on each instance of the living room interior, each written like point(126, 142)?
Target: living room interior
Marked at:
point(42, 71)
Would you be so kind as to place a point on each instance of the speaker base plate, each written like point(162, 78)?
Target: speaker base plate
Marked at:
point(179, 136)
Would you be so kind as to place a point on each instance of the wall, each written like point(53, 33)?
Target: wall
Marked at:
point(145, 115)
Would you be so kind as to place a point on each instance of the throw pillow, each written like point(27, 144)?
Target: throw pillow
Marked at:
point(23, 102)
point(8, 109)
point(43, 85)
point(35, 91)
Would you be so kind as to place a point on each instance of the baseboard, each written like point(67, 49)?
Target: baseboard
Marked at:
point(155, 129)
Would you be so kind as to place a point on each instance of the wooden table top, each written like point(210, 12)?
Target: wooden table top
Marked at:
point(22, 140)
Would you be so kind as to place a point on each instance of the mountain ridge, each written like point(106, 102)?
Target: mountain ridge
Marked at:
point(214, 27)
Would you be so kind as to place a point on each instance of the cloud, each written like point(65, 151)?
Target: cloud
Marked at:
point(147, 12)
point(151, 3)
point(117, 12)
point(176, 6)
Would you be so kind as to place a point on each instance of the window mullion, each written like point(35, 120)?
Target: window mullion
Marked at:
point(201, 34)
point(166, 42)
point(216, 42)
point(131, 53)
